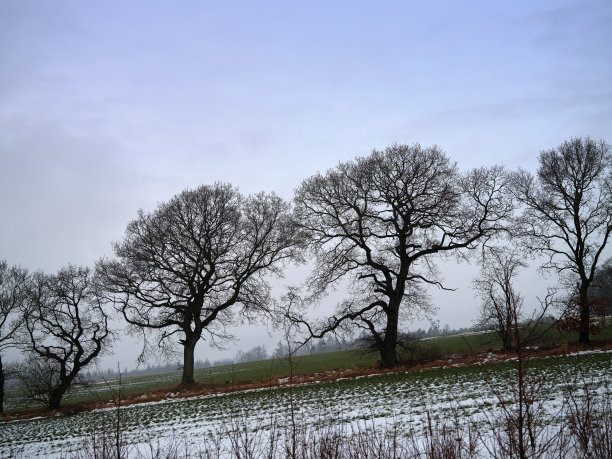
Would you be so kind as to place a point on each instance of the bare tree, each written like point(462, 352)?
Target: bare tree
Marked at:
point(67, 327)
point(13, 289)
point(568, 214)
point(520, 426)
point(380, 220)
point(500, 305)
point(252, 355)
point(186, 267)
point(39, 377)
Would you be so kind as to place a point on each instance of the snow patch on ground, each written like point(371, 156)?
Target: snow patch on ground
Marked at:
point(378, 401)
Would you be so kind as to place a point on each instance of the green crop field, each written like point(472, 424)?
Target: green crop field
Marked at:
point(279, 368)
point(406, 399)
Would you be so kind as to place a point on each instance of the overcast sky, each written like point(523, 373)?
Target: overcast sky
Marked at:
point(107, 107)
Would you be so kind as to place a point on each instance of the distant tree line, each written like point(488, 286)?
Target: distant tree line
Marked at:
point(201, 262)
point(260, 353)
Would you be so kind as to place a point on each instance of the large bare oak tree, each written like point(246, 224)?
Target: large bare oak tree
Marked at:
point(568, 214)
point(191, 265)
point(67, 327)
point(380, 220)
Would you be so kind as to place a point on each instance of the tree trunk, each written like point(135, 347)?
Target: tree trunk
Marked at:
point(507, 328)
point(387, 354)
point(506, 342)
point(1, 386)
point(585, 316)
point(56, 395)
point(387, 350)
point(188, 358)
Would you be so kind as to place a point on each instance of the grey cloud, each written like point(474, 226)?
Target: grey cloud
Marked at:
point(61, 195)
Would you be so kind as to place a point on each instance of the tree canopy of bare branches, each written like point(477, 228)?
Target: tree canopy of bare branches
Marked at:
point(186, 267)
point(501, 306)
point(568, 214)
point(13, 291)
point(67, 326)
point(381, 219)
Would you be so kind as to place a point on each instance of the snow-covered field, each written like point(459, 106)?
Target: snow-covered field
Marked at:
point(466, 394)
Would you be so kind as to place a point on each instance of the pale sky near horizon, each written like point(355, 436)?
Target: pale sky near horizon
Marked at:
point(108, 107)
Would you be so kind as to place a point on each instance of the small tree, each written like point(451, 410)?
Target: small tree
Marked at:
point(521, 427)
point(280, 351)
point(500, 305)
point(67, 328)
point(379, 221)
point(39, 377)
point(198, 261)
point(13, 289)
point(567, 215)
point(252, 355)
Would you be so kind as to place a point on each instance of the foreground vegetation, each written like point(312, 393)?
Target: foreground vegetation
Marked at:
point(455, 396)
point(406, 413)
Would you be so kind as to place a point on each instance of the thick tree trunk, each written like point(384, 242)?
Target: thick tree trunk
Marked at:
point(55, 400)
point(388, 355)
point(188, 359)
point(585, 316)
point(56, 395)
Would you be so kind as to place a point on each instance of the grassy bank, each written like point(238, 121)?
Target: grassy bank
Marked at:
point(265, 372)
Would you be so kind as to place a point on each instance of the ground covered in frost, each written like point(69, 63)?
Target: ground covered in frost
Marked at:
point(376, 402)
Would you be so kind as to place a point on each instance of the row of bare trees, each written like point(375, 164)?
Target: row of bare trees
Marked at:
point(191, 268)
point(202, 261)
point(383, 220)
